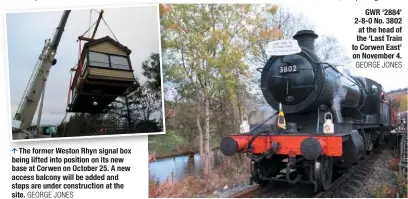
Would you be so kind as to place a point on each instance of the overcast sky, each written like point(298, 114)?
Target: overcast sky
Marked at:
point(134, 27)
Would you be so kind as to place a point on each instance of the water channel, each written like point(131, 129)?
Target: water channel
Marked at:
point(179, 166)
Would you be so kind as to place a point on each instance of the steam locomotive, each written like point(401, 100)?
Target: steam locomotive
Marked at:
point(333, 120)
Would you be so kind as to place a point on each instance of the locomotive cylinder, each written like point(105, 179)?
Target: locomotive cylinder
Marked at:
point(301, 82)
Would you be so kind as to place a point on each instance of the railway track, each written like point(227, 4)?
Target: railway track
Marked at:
point(248, 193)
point(345, 186)
point(349, 184)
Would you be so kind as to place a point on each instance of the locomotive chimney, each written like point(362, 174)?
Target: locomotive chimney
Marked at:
point(306, 39)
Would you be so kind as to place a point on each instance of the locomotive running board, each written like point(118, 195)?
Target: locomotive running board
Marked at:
point(328, 145)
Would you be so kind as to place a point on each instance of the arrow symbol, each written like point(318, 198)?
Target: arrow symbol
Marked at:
point(14, 150)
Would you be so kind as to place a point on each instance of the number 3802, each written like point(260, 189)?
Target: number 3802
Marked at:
point(288, 69)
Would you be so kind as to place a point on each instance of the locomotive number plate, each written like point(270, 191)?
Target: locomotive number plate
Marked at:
point(288, 69)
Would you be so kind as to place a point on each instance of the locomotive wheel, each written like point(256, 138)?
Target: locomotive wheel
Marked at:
point(324, 173)
point(365, 142)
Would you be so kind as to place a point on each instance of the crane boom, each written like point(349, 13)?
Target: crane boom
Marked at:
point(36, 85)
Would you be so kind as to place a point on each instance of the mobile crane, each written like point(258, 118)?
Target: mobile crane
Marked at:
point(34, 92)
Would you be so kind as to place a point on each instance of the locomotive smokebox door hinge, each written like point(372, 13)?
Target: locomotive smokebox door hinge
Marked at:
point(328, 126)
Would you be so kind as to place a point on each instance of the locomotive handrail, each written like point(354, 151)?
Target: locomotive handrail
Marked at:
point(355, 82)
point(259, 133)
point(334, 68)
point(281, 77)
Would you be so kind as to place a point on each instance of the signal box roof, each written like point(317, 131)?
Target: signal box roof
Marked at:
point(107, 39)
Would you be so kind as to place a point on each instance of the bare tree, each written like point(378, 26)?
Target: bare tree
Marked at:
point(148, 103)
point(329, 49)
point(277, 22)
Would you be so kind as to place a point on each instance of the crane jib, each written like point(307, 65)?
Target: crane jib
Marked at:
point(60, 29)
point(36, 84)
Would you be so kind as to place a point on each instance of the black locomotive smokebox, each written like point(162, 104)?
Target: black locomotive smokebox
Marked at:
point(310, 148)
point(228, 146)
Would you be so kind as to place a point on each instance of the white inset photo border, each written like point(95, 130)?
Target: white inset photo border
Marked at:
point(101, 104)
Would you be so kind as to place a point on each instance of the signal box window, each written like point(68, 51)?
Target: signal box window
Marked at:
point(98, 59)
point(108, 61)
point(119, 62)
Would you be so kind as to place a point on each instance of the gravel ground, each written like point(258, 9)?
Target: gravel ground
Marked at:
point(380, 177)
point(280, 190)
point(229, 190)
point(284, 190)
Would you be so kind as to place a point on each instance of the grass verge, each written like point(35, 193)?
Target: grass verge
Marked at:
point(168, 145)
point(399, 186)
point(173, 144)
